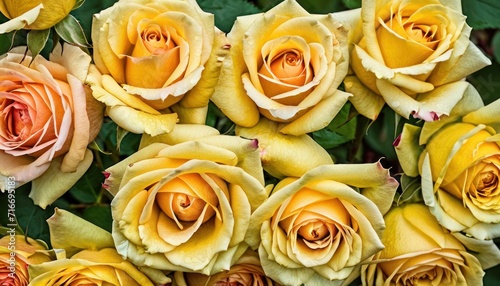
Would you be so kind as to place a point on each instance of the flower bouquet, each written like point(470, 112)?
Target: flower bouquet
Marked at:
point(266, 142)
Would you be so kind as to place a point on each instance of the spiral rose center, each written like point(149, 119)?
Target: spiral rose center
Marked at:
point(313, 231)
point(18, 120)
point(156, 40)
point(189, 198)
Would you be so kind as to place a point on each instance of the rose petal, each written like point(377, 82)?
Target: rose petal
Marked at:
point(53, 183)
point(73, 233)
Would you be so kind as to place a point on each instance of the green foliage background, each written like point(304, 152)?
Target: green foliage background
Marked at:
point(348, 138)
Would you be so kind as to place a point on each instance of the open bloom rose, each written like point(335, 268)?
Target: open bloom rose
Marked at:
point(246, 271)
point(33, 15)
point(285, 64)
point(17, 252)
point(186, 207)
point(410, 55)
point(47, 118)
point(317, 229)
point(86, 256)
point(459, 166)
point(150, 55)
point(418, 251)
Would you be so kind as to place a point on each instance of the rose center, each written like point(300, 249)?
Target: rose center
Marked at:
point(230, 282)
point(17, 119)
point(314, 231)
point(156, 40)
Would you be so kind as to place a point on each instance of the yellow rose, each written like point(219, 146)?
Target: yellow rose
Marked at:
point(317, 229)
point(17, 252)
point(246, 271)
point(33, 15)
point(285, 64)
point(48, 117)
point(86, 256)
point(410, 55)
point(186, 207)
point(150, 55)
point(418, 251)
point(458, 159)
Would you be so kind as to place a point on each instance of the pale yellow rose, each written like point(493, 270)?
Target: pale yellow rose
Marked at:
point(286, 65)
point(86, 256)
point(17, 252)
point(418, 251)
point(317, 229)
point(277, 148)
point(48, 117)
point(246, 271)
point(411, 55)
point(33, 14)
point(158, 62)
point(458, 159)
point(186, 207)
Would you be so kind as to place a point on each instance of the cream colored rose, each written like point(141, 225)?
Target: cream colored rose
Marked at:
point(151, 55)
point(17, 252)
point(186, 207)
point(48, 118)
point(285, 64)
point(33, 15)
point(418, 251)
point(410, 55)
point(86, 256)
point(317, 229)
point(246, 271)
point(458, 159)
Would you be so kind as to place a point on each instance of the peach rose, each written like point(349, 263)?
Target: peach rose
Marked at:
point(48, 117)
point(33, 14)
point(458, 159)
point(318, 229)
point(17, 252)
point(186, 207)
point(418, 251)
point(86, 256)
point(151, 55)
point(410, 55)
point(286, 65)
point(246, 271)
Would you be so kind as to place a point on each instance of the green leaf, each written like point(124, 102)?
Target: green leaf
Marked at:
point(226, 11)
point(78, 4)
point(88, 187)
point(495, 43)
point(487, 82)
point(412, 190)
point(30, 218)
point(352, 4)
point(99, 215)
point(37, 40)
point(482, 14)
point(70, 30)
point(330, 139)
point(6, 42)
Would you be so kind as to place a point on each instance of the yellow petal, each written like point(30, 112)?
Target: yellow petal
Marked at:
point(54, 183)
point(319, 116)
point(408, 150)
point(181, 133)
point(275, 157)
point(141, 122)
point(73, 233)
point(20, 21)
point(200, 94)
